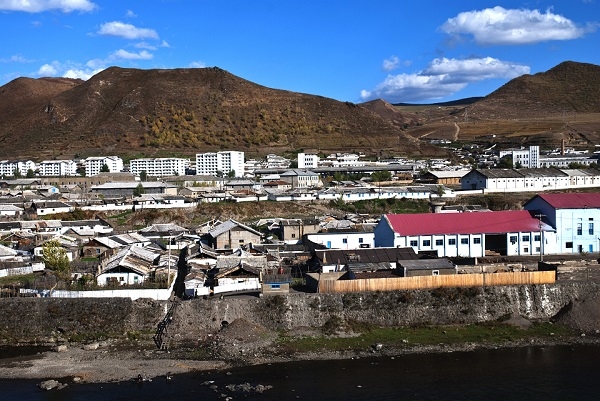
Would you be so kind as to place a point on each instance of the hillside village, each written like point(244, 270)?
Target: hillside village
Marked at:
point(93, 257)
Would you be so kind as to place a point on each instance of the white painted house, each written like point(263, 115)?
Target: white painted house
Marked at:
point(576, 217)
point(343, 240)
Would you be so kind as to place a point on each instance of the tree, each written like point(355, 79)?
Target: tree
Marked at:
point(379, 176)
point(55, 258)
point(143, 175)
point(30, 173)
point(505, 162)
point(139, 190)
point(231, 174)
point(105, 168)
point(17, 173)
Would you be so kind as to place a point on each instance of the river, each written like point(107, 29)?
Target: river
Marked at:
point(530, 373)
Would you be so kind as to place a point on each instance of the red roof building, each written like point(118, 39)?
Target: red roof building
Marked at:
point(476, 234)
point(576, 217)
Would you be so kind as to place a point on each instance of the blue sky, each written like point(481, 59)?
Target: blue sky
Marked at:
point(401, 51)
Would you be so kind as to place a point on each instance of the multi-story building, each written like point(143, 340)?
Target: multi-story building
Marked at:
point(576, 217)
point(9, 167)
point(220, 162)
point(57, 168)
point(524, 158)
point(306, 160)
point(159, 167)
point(93, 165)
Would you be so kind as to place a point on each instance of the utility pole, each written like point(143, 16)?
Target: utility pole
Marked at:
point(169, 261)
point(539, 216)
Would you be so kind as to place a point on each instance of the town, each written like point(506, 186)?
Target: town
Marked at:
point(92, 257)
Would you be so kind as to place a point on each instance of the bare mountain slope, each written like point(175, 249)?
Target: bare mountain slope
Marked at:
point(570, 87)
point(184, 111)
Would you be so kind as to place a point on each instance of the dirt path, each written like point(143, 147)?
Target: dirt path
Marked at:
point(456, 132)
point(101, 365)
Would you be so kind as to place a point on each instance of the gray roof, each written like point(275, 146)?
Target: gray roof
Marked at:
point(168, 229)
point(228, 225)
point(366, 255)
point(133, 257)
point(499, 173)
point(132, 185)
point(427, 264)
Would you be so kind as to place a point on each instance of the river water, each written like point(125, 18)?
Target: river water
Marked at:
point(530, 373)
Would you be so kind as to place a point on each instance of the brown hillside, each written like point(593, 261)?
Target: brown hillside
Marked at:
point(24, 97)
point(185, 111)
point(570, 87)
point(391, 113)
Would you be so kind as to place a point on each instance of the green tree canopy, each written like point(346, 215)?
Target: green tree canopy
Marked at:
point(379, 176)
point(105, 168)
point(56, 259)
point(139, 190)
point(30, 173)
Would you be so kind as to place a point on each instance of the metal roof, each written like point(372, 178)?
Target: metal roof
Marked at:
point(365, 255)
point(465, 223)
point(228, 225)
point(427, 264)
point(570, 200)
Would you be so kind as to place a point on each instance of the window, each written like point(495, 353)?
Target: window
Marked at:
point(579, 229)
point(591, 228)
point(293, 235)
point(439, 242)
point(414, 243)
point(452, 241)
point(477, 240)
point(360, 240)
point(426, 242)
point(435, 272)
point(464, 241)
point(537, 249)
point(513, 239)
point(526, 249)
point(344, 240)
point(526, 238)
point(537, 238)
point(569, 245)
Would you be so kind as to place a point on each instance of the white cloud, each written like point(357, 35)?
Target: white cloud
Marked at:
point(164, 43)
point(48, 70)
point(81, 74)
point(391, 63)
point(17, 58)
point(130, 14)
point(68, 70)
point(197, 64)
point(145, 45)
point(442, 78)
point(499, 26)
point(38, 6)
point(124, 54)
point(127, 31)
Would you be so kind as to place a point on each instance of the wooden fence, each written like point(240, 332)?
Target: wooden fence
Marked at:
point(330, 286)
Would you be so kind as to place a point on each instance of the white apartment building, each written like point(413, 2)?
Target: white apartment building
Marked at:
point(8, 167)
point(57, 168)
point(159, 167)
point(307, 160)
point(93, 165)
point(224, 162)
point(525, 158)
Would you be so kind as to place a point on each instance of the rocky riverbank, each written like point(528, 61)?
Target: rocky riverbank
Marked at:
point(217, 334)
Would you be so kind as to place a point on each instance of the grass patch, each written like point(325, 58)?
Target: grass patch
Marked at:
point(491, 333)
point(19, 279)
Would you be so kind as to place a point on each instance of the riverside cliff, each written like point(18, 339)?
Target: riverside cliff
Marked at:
point(51, 320)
